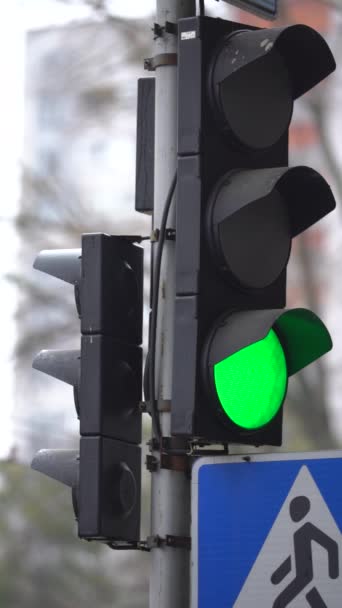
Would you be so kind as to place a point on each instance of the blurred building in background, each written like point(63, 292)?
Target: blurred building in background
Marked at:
point(80, 93)
point(78, 176)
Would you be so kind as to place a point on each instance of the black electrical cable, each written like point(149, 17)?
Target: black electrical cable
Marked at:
point(154, 313)
point(201, 8)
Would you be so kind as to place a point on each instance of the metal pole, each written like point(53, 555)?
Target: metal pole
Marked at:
point(170, 500)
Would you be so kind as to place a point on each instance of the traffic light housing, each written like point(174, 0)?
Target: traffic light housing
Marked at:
point(239, 206)
point(106, 374)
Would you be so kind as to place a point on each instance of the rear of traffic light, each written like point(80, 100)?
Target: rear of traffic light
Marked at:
point(238, 207)
point(106, 374)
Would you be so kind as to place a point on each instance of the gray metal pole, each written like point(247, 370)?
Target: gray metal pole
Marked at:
point(170, 500)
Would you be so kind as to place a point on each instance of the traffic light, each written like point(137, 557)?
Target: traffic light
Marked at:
point(106, 374)
point(238, 208)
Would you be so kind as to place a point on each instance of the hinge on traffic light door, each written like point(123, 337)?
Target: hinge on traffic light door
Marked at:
point(151, 63)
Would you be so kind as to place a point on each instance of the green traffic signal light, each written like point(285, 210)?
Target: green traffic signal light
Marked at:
point(251, 384)
point(247, 360)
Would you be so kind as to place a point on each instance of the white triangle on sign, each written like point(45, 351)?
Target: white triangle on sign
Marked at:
point(259, 591)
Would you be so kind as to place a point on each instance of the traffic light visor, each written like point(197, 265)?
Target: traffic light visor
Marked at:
point(254, 212)
point(259, 73)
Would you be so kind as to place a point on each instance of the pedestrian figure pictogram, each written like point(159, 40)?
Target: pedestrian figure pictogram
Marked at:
point(303, 538)
point(299, 563)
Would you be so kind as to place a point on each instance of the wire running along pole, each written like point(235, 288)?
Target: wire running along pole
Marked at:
point(154, 316)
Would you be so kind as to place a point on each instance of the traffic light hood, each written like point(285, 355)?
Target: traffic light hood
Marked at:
point(256, 75)
point(61, 364)
point(306, 54)
point(61, 465)
point(303, 336)
point(64, 264)
point(306, 194)
point(268, 207)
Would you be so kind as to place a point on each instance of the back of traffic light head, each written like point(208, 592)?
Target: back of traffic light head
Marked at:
point(239, 206)
point(106, 374)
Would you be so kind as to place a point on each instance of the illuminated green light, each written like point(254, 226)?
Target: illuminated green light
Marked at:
point(251, 384)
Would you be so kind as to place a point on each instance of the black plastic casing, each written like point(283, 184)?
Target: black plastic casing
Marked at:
point(110, 388)
point(106, 374)
point(101, 494)
point(144, 176)
point(205, 153)
point(111, 269)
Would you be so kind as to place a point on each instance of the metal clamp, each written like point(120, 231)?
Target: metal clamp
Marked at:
point(151, 63)
point(178, 542)
point(170, 235)
point(174, 455)
point(175, 462)
point(169, 445)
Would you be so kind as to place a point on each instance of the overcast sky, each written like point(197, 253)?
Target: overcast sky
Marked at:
point(40, 13)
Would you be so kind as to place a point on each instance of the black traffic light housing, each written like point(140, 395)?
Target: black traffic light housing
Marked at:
point(238, 203)
point(104, 477)
point(106, 374)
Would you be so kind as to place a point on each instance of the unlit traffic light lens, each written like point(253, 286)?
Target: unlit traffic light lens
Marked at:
point(251, 384)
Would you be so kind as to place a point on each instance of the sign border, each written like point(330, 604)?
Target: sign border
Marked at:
point(235, 459)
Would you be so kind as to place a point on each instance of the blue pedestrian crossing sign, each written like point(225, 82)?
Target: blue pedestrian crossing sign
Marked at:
point(267, 531)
